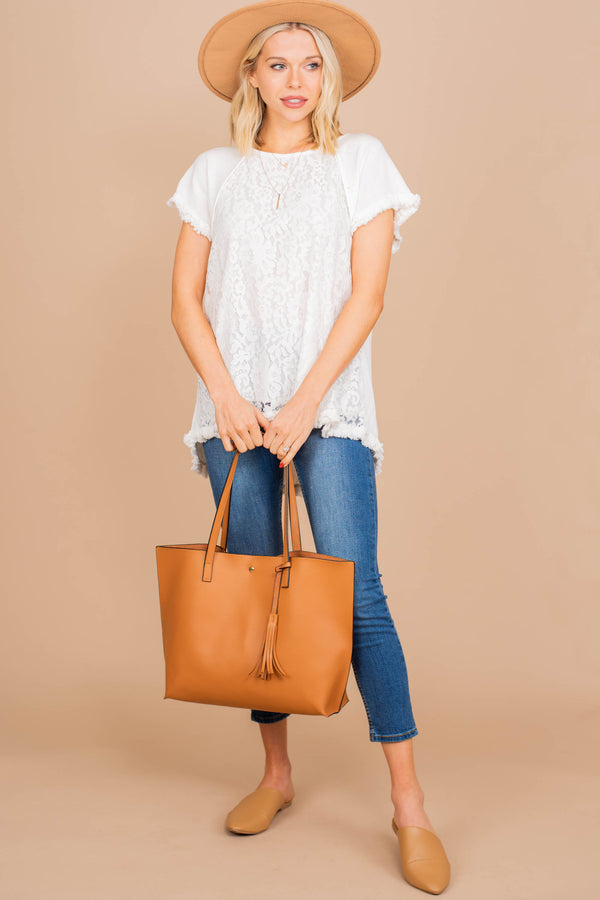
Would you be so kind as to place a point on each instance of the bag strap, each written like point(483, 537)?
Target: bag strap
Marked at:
point(294, 520)
point(218, 520)
point(221, 521)
point(285, 574)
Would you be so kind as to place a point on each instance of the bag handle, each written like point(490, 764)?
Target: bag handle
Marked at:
point(295, 522)
point(221, 521)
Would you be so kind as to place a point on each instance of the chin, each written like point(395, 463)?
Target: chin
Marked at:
point(296, 114)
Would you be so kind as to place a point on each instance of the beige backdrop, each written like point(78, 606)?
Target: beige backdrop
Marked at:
point(486, 378)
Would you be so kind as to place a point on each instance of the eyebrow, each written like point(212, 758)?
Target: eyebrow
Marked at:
point(315, 56)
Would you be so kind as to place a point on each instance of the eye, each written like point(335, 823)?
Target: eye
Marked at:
point(275, 65)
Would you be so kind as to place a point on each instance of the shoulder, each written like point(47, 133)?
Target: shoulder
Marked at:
point(358, 140)
point(358, 145)
point(219, 155)
point(216, 161)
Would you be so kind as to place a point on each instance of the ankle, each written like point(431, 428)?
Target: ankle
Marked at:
point(279, 767)
point(405, 794)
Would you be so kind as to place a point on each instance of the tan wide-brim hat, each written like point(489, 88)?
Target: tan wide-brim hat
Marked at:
point(355, 43)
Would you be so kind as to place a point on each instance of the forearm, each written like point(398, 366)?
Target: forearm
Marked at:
point(199, 342)
point(349, 332)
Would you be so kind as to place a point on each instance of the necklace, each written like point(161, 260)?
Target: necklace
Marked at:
point(309, 138)
point(279, 193)
point(280, 161)
point(284, 164)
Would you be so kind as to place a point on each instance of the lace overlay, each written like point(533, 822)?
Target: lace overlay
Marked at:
point(276, 281)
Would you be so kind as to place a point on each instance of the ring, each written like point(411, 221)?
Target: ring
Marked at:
point(285, 449)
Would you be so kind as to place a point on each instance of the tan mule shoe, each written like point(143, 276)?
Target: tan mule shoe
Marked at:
point(255, 812)
point(423, 858)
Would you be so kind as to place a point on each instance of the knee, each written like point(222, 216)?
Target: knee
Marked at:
point(370, 603)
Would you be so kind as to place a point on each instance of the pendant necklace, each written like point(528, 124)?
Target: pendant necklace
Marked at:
point(279, 193)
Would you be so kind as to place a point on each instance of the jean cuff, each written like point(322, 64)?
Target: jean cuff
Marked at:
point(393, 738)
point(259, 715)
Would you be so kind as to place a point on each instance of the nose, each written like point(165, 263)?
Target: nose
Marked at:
point(294, 80)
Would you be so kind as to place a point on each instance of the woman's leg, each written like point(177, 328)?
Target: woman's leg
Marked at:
point(337, 476)
point(255, 527)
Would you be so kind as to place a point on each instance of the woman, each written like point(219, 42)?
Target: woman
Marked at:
point(279, 278)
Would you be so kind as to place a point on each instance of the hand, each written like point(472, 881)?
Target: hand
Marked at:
point(290, 428)
point(239, 422)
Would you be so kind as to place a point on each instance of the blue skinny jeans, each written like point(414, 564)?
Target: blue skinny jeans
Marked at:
point(337, 477)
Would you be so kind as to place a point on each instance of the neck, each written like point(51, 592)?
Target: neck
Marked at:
point(284, 140)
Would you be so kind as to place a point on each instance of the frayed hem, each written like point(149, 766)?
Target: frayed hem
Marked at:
point(198, 458)
point(187, 216)
point(329, 424)
point(403, 207)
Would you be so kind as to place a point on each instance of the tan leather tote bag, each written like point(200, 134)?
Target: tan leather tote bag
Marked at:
point(260, 632)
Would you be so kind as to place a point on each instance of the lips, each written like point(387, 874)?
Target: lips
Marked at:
point(294, 102)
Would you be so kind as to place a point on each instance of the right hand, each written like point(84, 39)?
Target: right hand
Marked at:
point(239, 423)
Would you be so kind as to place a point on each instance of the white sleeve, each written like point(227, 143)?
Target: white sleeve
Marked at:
point(191, 197)
point(381, 187)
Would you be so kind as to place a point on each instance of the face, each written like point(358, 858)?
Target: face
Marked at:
point(289, 65)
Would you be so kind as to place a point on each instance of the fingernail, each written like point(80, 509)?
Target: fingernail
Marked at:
point(280, 465)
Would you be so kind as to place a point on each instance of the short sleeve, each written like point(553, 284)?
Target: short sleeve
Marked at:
point(381, 187)
point(191, 197)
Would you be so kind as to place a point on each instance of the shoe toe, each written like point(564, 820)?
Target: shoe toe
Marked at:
point(255, 812)
point(423, 858)
point(428, 875)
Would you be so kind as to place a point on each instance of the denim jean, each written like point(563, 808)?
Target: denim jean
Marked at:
point(337, 478)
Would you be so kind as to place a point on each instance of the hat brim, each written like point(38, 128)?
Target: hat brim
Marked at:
point(355, 43)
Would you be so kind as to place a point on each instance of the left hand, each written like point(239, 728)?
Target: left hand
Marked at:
point(290, 428)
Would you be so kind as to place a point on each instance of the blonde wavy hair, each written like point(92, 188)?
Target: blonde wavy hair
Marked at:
point(248, 107)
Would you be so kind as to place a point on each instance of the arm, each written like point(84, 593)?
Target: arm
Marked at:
point(239, 421)
point(370, 262)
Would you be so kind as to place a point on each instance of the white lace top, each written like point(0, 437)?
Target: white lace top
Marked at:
point(278, 278)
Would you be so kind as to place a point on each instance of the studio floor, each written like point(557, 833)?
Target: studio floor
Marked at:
point(128, 801)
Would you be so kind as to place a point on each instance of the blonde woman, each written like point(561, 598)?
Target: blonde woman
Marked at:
point(279, 278)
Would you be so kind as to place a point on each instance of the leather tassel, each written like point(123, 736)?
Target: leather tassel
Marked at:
point(268, 663)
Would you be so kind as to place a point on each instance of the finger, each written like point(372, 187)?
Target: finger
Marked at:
point(228, 444)
point(294, 445)
point(256, 435)
point(262, 419)
point(248, 439)
point(286, 460)
point(239, 442)
point(277, 442)
point(273, 441)
point(285, 447)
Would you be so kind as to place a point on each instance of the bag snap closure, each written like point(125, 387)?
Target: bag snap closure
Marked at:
point(251, 569)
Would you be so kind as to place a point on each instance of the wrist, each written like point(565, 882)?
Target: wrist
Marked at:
point(223, 391)
point(310, 393)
